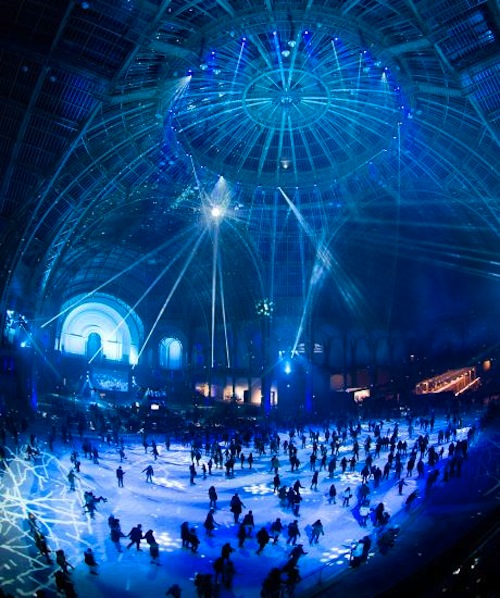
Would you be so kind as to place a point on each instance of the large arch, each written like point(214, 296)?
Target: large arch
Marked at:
point(117, 325)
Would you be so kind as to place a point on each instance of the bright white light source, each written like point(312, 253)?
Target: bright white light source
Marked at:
point(216, 212)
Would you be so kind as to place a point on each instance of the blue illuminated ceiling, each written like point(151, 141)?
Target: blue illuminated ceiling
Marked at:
point(355, 138)
point(287, 102)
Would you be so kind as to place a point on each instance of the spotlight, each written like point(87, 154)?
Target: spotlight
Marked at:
point(216, 212)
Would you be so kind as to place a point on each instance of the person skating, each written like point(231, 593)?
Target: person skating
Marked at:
point(297, 499)
point(400, 484)
point(116, 532)
point(241, 535)
point(212, 495)
point(249, 524)
point(314, 481)
point(193, 539)
point(262, 539)
point(88, 557)
point(210, 523)
point(226, 551)
point(192, 474)
point(295, 554)
point(332, 495)
point(293, 532)
point(218, 567)
point(149, 473)
point(185, 534)
point(71, 480)
point(276, 529)
point(62, 561)
point(317, 531)
point(135, 535)
point(154, 552)
point(41, 544)
point(91, 501)
point(346, 496)
point(119, 476)
point(149, 537)
point(236, 507)
point(154, 450)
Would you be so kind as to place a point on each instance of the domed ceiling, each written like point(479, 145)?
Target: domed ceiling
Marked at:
point(351, 149)
point(287, 102)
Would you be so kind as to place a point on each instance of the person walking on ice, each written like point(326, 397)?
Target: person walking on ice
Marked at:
point(149, 473)
point(210, 523)
point(262, 539)
point(135, 535)
point(346, 495)
point(400, 485)
point(71, 480)
point(317, 531)
point(88, 557)
point(119, 476)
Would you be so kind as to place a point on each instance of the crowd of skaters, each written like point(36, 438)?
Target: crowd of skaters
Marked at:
point(323, 447)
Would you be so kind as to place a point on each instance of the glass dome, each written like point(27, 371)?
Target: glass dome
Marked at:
point(277, 104)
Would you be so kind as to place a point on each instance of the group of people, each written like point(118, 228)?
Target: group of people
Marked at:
point(62, 574)
point(325, 447)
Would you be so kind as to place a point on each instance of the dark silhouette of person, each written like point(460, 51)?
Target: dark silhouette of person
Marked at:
point(135, 535)
point(212, 495)
point(90, 561)
point(236, 507)
point(210, 523)
point(262, 539)
point(149, 473)
point(119, 476)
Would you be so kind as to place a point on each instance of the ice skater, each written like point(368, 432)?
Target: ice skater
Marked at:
point(317, 531)
point(71, 480)
point(149, 473)
point(62, 561)
point(210, 523)
point(135, 535)
point(212, 495)
point(346, 496)
point(88, 557)
point(119, 476)
point(262, 539)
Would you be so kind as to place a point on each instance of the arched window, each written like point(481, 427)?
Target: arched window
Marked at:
point(171, 354)
point(101, 327)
